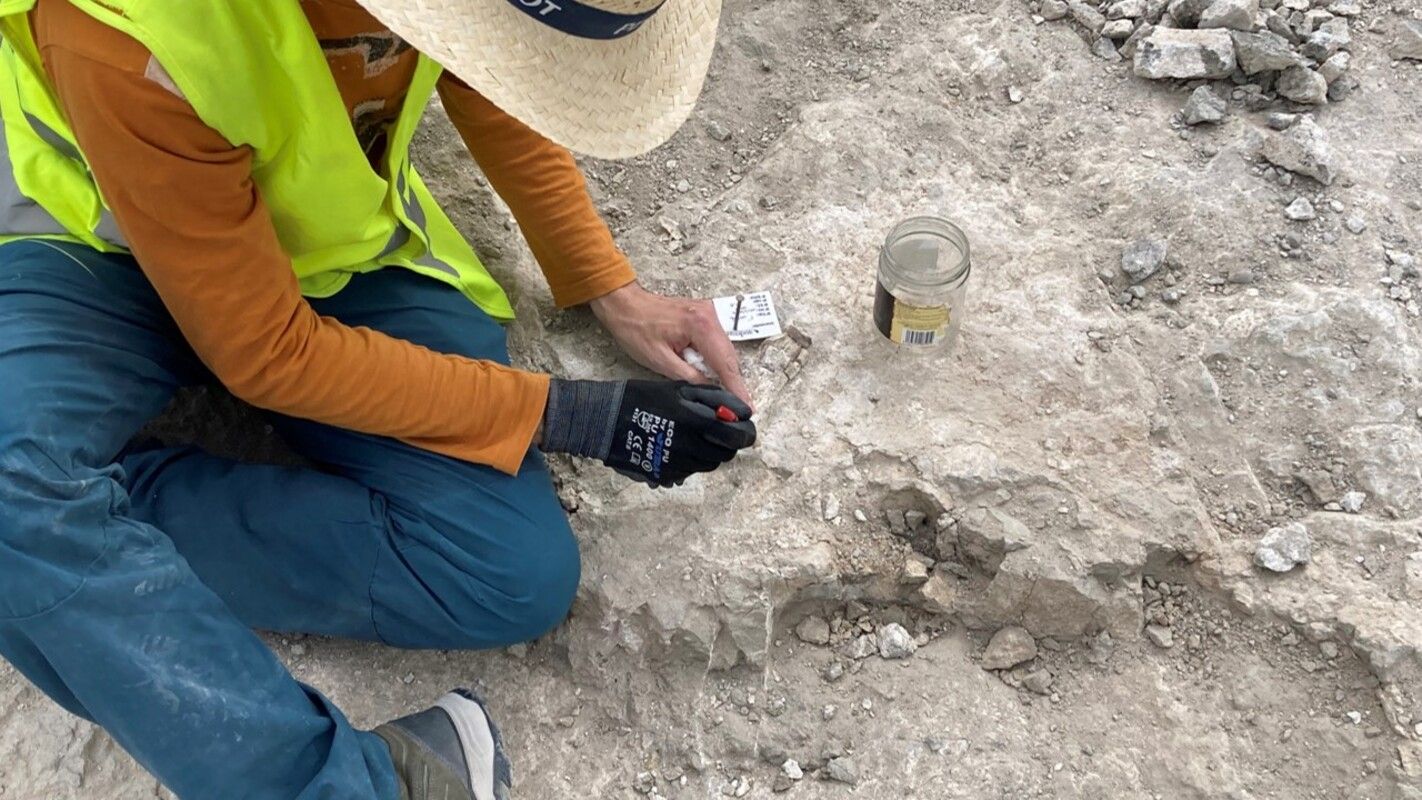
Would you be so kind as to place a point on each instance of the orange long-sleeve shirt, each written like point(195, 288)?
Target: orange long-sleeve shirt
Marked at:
point(186, 202)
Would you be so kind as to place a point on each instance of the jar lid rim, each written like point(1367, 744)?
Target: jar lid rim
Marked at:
point(954, 235)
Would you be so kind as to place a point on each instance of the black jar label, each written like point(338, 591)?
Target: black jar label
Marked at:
point(906, 324)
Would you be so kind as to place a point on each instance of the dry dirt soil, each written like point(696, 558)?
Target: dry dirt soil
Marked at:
point(1077, 467)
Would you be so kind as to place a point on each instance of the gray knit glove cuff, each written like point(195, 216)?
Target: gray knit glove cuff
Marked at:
point(581, 416)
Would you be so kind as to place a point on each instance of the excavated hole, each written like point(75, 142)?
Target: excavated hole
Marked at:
point(922, 521)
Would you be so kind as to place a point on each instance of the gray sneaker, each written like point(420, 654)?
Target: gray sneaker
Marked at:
point(449, 752)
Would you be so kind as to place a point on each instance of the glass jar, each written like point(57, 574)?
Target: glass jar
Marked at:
point(920, 295)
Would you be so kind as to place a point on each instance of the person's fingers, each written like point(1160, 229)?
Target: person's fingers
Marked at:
point(713, 397)
point(712, 343)
point(670, 479)
point(638, 477)
point(737, 384)
point(722, 455)
point(701, 411)
point(711, 456)
point(698, 464)
point(666, 362)
point(732, 435)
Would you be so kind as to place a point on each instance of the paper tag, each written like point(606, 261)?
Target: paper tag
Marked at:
point(749, 316)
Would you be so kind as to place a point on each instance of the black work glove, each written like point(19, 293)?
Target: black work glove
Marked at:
point(657, 432)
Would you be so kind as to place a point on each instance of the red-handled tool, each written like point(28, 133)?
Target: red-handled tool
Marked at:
point(726, 415)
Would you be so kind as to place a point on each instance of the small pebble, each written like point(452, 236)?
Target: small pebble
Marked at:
point(717, 131)
point(1301, 210)
point(1279, 121)
point(895, 642)
point(1160, 636)
point(1352, 502)
point(842, 770)
point(813, 630)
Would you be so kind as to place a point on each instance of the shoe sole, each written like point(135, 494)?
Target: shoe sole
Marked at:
point(483, 748)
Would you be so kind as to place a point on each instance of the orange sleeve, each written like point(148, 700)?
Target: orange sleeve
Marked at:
point(545, 190)
point(185, 200)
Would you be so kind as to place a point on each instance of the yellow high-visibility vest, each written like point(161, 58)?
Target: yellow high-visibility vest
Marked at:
point(254, 72)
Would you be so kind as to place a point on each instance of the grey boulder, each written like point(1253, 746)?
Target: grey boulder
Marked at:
point(1008, 648)
point(1186, 13)
point(1284, 548)
point(1407, 41)
point(1302, 85)
point(1185, 54)
point(1263, 52)
point(1203, 106)
point(1304, 149)
point(1233, 14)
point(1330, 37)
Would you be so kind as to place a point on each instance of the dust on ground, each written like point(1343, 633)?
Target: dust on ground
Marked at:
point(1093, 468)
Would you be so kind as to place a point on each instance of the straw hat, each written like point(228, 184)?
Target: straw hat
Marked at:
point(610, 78)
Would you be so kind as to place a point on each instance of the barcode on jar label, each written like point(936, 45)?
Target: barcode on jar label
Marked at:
point(902, 323)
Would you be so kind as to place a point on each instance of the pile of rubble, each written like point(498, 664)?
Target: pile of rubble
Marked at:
point(1269, 51)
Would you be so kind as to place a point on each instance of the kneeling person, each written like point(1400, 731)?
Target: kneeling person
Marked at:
point(216, 190)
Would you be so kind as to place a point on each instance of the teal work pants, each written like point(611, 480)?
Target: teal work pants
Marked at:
point(131, 580)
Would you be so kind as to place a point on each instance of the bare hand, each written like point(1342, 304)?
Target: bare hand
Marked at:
point(654, 330)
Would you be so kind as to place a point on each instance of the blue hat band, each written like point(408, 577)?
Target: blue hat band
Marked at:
point(583, 21)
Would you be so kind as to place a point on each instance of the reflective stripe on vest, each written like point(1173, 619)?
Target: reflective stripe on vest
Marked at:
point(415, 212)
point(52, 137)
point(21, 216)
point(18, 213)
point(49, 159)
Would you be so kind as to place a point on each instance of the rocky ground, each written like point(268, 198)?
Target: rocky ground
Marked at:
point(1043, 564)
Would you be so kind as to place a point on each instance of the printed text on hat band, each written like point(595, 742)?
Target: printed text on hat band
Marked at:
point(584, 21)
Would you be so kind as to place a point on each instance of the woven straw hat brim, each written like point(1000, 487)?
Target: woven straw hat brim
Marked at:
point(610, 99)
